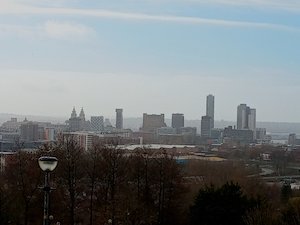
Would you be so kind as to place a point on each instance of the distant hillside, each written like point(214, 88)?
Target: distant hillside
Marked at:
point(280, 127)
point(6, 116)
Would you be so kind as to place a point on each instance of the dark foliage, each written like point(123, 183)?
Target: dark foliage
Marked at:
point(134, 188)
point(226, 205)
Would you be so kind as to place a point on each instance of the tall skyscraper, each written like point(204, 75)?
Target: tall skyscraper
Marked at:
point(210, 109)
point(119, 118)
point(97, 123)
point(252, 122)
point(177, 120)
point(246, 118)
point(242, 116)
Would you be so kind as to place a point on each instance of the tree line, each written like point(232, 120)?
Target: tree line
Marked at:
point(99, 186)
point(107, 185)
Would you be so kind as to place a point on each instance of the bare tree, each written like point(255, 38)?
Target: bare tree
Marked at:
point(167, 186)
point(5, 199)
point(156, 183)
point(70, 175)
point(23, 178)
point(141, 208)
point(94, 174)
point(112, 183)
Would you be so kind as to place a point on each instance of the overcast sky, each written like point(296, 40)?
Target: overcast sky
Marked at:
point(154, 56)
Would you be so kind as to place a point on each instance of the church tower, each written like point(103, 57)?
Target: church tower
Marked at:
point(82, 115)
point(73, 114)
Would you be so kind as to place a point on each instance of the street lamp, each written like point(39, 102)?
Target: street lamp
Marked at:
point(47, 164)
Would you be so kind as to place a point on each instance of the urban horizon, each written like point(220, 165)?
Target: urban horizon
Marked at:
point(49, 117)
point(149, 112)
point(154, 56)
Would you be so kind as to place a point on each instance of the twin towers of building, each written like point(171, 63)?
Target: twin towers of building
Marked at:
point(246, 118)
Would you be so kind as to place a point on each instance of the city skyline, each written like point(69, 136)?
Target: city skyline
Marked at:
point(113, 116)
point(150, 56)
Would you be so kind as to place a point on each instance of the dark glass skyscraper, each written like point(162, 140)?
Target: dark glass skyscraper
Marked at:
point(119, 118)
point(177, 120)
point(206, 126)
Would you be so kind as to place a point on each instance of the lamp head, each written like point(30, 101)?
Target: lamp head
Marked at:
point(47, 163)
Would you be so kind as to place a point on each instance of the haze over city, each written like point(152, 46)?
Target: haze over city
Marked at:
point(149, 112)
point(150, 56)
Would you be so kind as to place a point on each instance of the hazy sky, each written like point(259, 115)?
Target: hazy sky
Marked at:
point(154, 56)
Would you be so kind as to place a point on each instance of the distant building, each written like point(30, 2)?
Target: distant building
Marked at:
point(82, 115)
point(119, 118)
point(239, 136)
point(293, 140)
point(77, 123)
point(252, 122)
point(177, 120)
point(171, 139)
point(246, 118)
point(84, 139)
point(166, 130)
point(50, 134)
point(217, 134)
point(97, 123)
point(152, 122)
point(41, 132)
point(123, 133)
point(178, 136)
point(188, 134)
point(29, 132)
point(210, 109)
point(206, 126)
point(242, 116)
point(107, 123)
point(10, 136)
point(73, 114)
point(59, 128)
point(188, 131)
point(261, 133)
point(11, 126)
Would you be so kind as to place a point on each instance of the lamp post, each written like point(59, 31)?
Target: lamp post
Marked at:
point(47, 164)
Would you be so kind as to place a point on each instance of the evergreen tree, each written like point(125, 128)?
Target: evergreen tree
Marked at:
point(226, 205)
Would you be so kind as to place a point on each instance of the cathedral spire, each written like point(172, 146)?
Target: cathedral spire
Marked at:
point(73, 114)
point(82, 115)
